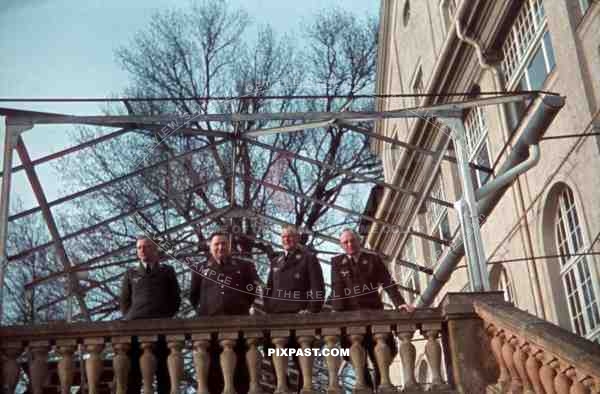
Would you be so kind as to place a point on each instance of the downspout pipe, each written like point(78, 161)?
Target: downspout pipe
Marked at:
point(509, 119)
point(544, 110)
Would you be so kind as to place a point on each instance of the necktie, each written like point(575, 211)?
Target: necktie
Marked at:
point(148, 269)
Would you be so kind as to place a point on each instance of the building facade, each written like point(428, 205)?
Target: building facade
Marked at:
point(541, 240)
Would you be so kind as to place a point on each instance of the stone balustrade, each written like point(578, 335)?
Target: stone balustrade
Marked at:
point(325, 330)
point(534, 356)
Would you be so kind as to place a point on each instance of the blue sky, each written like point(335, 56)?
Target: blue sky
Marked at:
point(65, 48)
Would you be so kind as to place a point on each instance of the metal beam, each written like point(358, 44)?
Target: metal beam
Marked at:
point(60, 251)
point(443, 146)
point(115, 180)
point(11, 133)
point(345, 172)
point(317, 201)
point(86, 265)
point(122, 215)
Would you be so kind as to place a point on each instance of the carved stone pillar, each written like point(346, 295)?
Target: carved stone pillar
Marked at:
point(358, 358)
point(66, 367)
point(578, 387)
point(253, 360)
point(408, 354)
point(201, 342)
point(39, 365)
point(280, 339)
point(148, 362)
point(227, 341)
point(175, 361)
point(547, 373)
point(519, 358)
point(305, 339)
point(10, 367)
point(93, 365)
point(121, 362)
point(331, 337)
point(508, 351)
point(383, 356)
point(532, 366)
point(433, 351)
point(562, 383)
point(496, 344)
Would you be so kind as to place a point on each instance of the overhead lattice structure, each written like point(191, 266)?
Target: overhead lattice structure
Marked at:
point(180, 177)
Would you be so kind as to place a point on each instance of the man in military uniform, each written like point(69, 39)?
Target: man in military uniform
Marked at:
point(224, 286)
point(355, 280)
point(295, 283)
point(149, 291)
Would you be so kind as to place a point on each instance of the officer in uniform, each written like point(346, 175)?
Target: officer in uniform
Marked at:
point(224, 286)
point(295, 283)
point(355, 280)
point(149, 291)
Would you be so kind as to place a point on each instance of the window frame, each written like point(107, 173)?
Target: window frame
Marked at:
point(571, 240)
point(519, 56)
point(475, 146)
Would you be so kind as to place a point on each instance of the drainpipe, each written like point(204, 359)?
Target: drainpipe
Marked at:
point(532, 128)
point(509, 118)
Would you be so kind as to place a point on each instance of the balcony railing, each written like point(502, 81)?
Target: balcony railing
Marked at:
point(525, 354)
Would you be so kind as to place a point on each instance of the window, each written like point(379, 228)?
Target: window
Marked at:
point(411, 283)
point(477, 144)
point(528, 52)
point(448, 10)
point(584, 5)
point(575, 271)
point(505, 286)
point(406, 13)
point(418, 87)
point(437, 220)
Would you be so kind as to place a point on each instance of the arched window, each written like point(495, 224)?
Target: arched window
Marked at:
point(575, 271)
point(505, 286)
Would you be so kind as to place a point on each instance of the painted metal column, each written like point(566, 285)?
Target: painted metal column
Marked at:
point(467, 210)
point(11, 133)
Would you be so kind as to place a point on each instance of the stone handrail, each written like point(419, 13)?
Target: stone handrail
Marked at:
point(535, 356)
point(324, 328)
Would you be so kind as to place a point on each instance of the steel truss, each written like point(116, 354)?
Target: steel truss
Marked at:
point(18, 121)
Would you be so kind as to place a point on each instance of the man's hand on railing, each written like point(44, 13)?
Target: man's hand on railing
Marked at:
point(304, 311)
point(406, 307)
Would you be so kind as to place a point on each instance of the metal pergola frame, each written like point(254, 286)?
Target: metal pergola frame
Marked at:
point(19, 121)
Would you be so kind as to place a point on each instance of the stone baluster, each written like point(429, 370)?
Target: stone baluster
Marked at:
point(358, 358)
point(201, 342)
point(175, 344)
point(408, 354)
point(39, 365)
point(519, 358)
point(280, 339)
point(562, 383)
point(148, 361)
point(547, 372)
point(93, 365)
point(10, 367)
point(532, 366)
point(121, 362)
point(66, 367)
point(383, 357)
point(579, 382)
point(433, 351)
point(508, 351)
point(306, 339)
point(227, 340)
point(253, 360)
point(331, 336)
point(496, 344)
